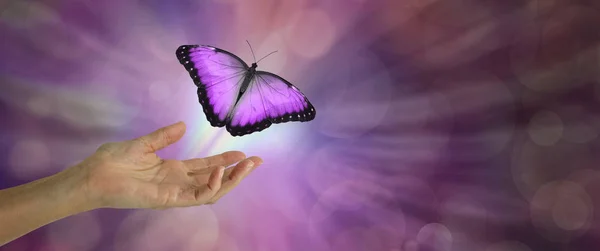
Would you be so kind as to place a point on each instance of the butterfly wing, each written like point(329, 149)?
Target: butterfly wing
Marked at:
point(218, 75)
point(269, 99)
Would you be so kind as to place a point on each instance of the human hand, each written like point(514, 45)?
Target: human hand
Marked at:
point(129, 174)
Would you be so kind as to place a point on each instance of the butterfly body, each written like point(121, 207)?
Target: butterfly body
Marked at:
point(249, 75)
point(238, 96)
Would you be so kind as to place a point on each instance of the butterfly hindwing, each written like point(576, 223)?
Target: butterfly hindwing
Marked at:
point(269, 99)
point(218, 74)
point(249, 114)
point(285, 101)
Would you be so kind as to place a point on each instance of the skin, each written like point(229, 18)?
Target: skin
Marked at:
point(125, 174)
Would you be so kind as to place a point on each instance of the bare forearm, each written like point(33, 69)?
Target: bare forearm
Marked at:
point(27, 207)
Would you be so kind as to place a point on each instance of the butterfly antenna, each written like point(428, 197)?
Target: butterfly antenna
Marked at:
point(265, 56)
point(251, 51)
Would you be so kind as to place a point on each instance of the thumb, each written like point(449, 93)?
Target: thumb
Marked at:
point(162, 137)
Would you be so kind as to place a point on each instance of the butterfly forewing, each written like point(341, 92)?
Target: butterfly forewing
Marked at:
point(218, 75)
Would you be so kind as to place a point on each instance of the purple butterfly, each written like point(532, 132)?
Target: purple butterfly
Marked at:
point(239, 97)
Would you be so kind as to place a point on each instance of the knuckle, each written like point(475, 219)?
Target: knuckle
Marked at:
point(165, 136)
point(142, 141)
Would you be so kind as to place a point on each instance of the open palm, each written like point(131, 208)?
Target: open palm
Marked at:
point(129, 174)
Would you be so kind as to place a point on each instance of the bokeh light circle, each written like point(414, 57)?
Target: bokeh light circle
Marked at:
point(435, 236)
point(561, 210)
point(545, 128)
point(313, 34)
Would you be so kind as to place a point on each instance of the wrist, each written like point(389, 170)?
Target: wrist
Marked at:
point(71, 183)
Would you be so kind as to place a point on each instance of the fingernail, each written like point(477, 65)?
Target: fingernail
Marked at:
point(250, 164)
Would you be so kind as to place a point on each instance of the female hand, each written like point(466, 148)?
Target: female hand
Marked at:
point(129, 174)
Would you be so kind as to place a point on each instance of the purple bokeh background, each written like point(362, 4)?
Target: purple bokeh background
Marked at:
point(450, 125)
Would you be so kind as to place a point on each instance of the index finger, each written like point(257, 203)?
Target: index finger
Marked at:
point(224, 159)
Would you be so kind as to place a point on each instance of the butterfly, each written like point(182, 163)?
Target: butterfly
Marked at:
point(238, 96)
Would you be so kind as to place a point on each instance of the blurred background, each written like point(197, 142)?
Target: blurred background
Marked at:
point(442, 125)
